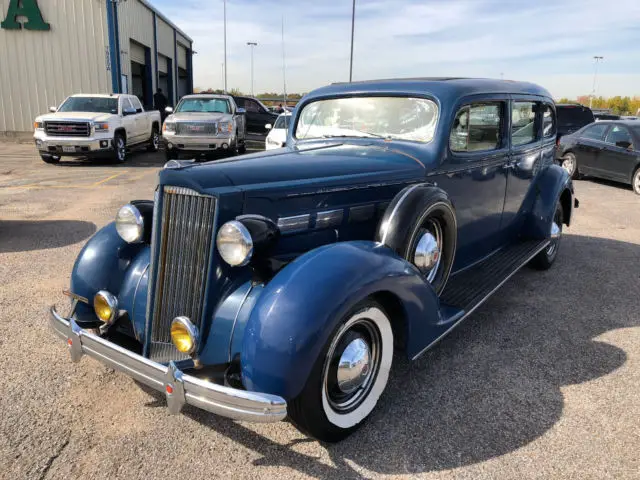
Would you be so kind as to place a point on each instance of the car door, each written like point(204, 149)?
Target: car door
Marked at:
point(258, 117)
point(589, 144)
point(618, 159)
point(129, 121)
point(474, 177)
point(525, 127)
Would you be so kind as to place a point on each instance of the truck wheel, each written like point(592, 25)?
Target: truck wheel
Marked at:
point(119, 148)
point(544, 260)
point(154, 141)
point(348, 377)
point(50, 158)
point(242, 148)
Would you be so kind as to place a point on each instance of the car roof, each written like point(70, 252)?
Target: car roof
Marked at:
point(433, 85)
point(628, 122)
point(207, 95)
point(99, 95)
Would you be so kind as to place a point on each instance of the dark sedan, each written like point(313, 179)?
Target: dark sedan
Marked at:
point(607, 149)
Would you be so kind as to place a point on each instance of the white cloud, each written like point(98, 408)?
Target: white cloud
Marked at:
point(548, 42)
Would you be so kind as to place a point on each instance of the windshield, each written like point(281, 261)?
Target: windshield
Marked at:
point(388, 117)
point(90, 104)
point(206, 105)
point(282, 121)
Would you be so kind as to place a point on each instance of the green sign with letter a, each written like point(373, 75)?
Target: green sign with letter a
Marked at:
point(27, 9)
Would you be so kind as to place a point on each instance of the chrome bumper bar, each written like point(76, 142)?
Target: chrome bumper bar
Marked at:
point(177, 387)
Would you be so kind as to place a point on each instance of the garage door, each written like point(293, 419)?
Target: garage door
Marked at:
point(136, 53)
point(162, 64)
point(182, 57)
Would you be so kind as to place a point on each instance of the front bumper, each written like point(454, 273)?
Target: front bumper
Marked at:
point(196, 143)
point(178, 387)
point(83, 146)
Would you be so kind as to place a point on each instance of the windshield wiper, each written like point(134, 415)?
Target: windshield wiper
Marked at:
point(368, 135)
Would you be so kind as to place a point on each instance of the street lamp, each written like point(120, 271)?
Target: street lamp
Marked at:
point(595, 76)
point(353, 24)
point(225, 46)
point(252, 44)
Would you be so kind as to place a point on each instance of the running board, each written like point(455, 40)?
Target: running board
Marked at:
point(469, 289)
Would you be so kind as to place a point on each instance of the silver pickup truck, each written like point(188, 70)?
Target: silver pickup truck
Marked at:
point(204, 124)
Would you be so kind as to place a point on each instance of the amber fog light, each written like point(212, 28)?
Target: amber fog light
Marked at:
point(184, 335)
point(105, 305)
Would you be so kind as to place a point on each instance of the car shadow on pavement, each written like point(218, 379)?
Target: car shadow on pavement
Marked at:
point(29, 235)
point(135, 159)
point(494, 384)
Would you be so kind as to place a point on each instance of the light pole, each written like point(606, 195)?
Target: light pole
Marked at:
point(353, 25)
point(595, 76)
point(225, 46)
point(252, 44)
point(284, 66)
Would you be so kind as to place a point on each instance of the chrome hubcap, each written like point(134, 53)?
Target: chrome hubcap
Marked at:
point(636, 183)
point(155, 140)
point(354, 366)
point(121, 149)
point(556, 233)
point(569, 164)
point(428, 254)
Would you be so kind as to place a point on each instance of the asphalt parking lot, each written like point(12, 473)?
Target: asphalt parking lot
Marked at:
point(542, 382)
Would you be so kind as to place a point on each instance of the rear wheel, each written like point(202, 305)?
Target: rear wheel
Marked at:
point(49, 158)
point(348, 377)
point(154, 141)
point(570, 164)
point(636, 181)
point(545, 259)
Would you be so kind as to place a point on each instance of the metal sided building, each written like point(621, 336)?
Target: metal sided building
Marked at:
point(51, 49)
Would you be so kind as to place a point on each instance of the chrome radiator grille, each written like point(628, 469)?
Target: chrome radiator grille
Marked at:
point(186, 223)
point(196, 128)
point(68, 129)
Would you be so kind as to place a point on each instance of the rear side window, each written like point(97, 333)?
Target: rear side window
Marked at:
point(136, 104)
point(549, 129)
point(477, 127)
point(575, 115)
point(523, 123)
point(595, 132)
point(619, 136)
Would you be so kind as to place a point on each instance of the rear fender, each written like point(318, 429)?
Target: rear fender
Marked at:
point(552, 185)
point(301, 306)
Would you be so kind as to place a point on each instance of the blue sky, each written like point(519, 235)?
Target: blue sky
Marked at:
point(549, 42)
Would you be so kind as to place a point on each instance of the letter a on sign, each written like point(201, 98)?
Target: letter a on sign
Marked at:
point(28, 9)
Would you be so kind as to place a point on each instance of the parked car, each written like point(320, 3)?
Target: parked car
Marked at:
point(606, 116)
point(607, 149)
point(282, 283)
point(277, 136)
point(572, 117)
point(204, 124)
point(257, 114)
point(91, 125)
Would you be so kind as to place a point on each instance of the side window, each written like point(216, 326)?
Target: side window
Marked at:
point(252, 106)
point(619, 136)
point(595, 132)
point(548, 122)
point(523, 123)
point(126, 103)
point(476, 128)
point(136, 104)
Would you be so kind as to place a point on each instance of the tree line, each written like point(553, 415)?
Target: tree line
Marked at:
point(237, 92)
point(618, 105)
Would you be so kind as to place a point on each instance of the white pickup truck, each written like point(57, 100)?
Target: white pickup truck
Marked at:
point(96, 126)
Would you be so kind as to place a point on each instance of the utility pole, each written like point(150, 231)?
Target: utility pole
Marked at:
point(284, 66)
point(252, 44)
point(595, 76)
point(353, 25)
point(225, 46)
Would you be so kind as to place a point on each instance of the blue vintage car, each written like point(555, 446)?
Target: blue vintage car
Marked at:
point(282, 283)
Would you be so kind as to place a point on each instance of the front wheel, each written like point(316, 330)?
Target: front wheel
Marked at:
point(545, 259)
point(570, 164)
point(348, 377)
point(119, 148)
point(635, 182)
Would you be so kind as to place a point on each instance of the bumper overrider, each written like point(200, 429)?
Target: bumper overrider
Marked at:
point(178, 387)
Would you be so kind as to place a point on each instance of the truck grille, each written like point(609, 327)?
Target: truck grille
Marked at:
point(186, 223)
point(196, 128)
point(67, 129)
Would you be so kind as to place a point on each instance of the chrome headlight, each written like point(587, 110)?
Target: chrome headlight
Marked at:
point(169, 126)
point(38, 125)
point(184, 335)
point(235, 244)
point(105, 305)
point(130, 224)
point(225, 127)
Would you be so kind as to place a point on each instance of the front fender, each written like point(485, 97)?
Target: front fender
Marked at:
point(301, 306)
point(551, 184)
point(105, 263)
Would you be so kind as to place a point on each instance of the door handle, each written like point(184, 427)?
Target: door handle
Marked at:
point(508, 166)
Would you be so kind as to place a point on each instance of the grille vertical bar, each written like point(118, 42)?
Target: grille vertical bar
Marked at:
point(187, 223)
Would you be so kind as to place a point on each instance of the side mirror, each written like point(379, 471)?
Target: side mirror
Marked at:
point(268, 126)
point(168, 110)
point(241, 111)
point(53, 109)
point(129, 111)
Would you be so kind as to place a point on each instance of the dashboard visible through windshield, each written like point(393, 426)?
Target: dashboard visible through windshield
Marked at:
point(404, 118)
